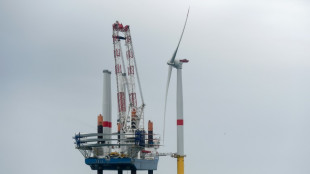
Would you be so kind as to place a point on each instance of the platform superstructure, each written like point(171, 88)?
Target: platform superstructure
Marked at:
point(131, 147)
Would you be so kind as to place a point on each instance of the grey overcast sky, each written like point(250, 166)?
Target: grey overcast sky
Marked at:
point(246, 87)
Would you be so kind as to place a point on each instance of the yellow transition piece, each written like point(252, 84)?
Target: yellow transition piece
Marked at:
point(180, 164)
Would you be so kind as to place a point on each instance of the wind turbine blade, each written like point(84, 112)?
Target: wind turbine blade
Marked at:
point(167, 87)
point(176, 50)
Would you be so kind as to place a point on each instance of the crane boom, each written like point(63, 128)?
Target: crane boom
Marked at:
point(131, 69)
point(126, 80)
point(121, 98)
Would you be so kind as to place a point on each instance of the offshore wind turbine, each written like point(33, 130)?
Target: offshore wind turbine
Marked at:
point(177, 64)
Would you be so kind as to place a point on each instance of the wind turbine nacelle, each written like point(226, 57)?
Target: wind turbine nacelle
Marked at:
point(178, 63)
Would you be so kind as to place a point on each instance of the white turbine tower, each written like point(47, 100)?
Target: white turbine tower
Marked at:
point(176, 63)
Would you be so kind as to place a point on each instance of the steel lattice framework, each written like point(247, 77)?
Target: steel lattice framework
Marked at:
point(126, 81)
